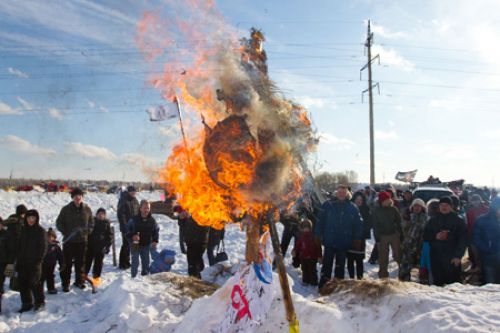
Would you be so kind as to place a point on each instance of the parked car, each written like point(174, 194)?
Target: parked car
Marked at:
point(427, 193)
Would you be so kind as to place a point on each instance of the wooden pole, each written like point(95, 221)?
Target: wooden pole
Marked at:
point(113, 246)
point(176, 100)
point(272, 217)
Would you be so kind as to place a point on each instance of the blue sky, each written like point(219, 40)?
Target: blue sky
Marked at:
point(73, 85)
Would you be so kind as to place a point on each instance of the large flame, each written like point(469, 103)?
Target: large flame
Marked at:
point(245, 144)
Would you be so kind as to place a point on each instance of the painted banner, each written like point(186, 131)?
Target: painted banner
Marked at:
point(251, 295)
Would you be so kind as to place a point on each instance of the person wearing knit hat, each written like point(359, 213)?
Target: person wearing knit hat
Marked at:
point(53, 257)
point(98, 245)
point(476, 209)
point(446, 200)
point(76, 191)
point(413, 239)
point(446, 234)
point(387, 230)
point(31, 250)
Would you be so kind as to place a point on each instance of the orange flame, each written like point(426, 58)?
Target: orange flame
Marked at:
point(185, 172)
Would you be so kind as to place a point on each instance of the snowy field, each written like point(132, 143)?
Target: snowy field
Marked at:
point(149, 305)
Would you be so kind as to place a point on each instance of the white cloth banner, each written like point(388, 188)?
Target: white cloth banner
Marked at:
point(159, 113)
point(251, 296)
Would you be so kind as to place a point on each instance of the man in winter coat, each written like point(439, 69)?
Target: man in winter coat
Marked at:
point(31, 250)
point(98, 245)
point(196, 241)
point(128, 207)
point(142, 234)
point(447, 237)
point(387, 230)
point(476, 209)
point(338, 225)
point(486, 238)
point(75, 222)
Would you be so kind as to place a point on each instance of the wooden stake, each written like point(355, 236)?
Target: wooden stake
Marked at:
point(272, 217)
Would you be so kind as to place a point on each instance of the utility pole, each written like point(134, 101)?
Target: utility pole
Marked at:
point(368, 45)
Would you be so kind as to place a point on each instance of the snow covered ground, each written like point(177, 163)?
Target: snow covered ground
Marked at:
point(147, 304)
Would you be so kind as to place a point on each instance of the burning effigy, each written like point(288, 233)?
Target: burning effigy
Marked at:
point(245, 145)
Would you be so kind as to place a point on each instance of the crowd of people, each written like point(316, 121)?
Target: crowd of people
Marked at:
point(29, 254)
point(428, 241)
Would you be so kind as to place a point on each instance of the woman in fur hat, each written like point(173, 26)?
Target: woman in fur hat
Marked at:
point(413, 239)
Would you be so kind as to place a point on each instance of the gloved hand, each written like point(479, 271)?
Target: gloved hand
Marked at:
point(105, 250)
point(9, 270)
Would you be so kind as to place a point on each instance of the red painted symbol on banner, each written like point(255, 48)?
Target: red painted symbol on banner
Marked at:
point(240, 303)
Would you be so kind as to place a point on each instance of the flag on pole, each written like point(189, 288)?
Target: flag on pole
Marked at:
point(407, 176)
point(160, 112)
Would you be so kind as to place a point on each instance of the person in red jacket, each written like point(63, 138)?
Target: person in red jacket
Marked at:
point(308, 250)
point(476, 209)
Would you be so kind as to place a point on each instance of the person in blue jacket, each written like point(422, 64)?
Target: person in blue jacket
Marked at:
point(339, 224)
point(486, 238)
point(162, 261)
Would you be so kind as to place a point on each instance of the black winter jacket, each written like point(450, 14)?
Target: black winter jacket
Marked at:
point(32, 247)
point(147, 228)
point(75, 223)
point(196, 234)
point(128, 207)
point(54, 255)
point(454, 246)
point(100, 237)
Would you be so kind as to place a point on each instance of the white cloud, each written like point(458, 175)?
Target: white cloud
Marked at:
point(392, 58)
point(18, 144)
point(337, 143)
point(17, 72)
point(85, 150)
point(493, 134)
point(55, 113)
point(381, 135)
point(25, 104)
point(169, 131)
point(103, 109)
point(316, 103)
point(6, 109)
point(381, 31)
point(391, 123)
point(448, 151)
point(91, 104)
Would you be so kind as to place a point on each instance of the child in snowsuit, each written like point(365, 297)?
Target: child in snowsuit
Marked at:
point(31, 250)
point(98, 246)
point(54, 256)
point(413, 238)
point(308, 249)
point(162, 261)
